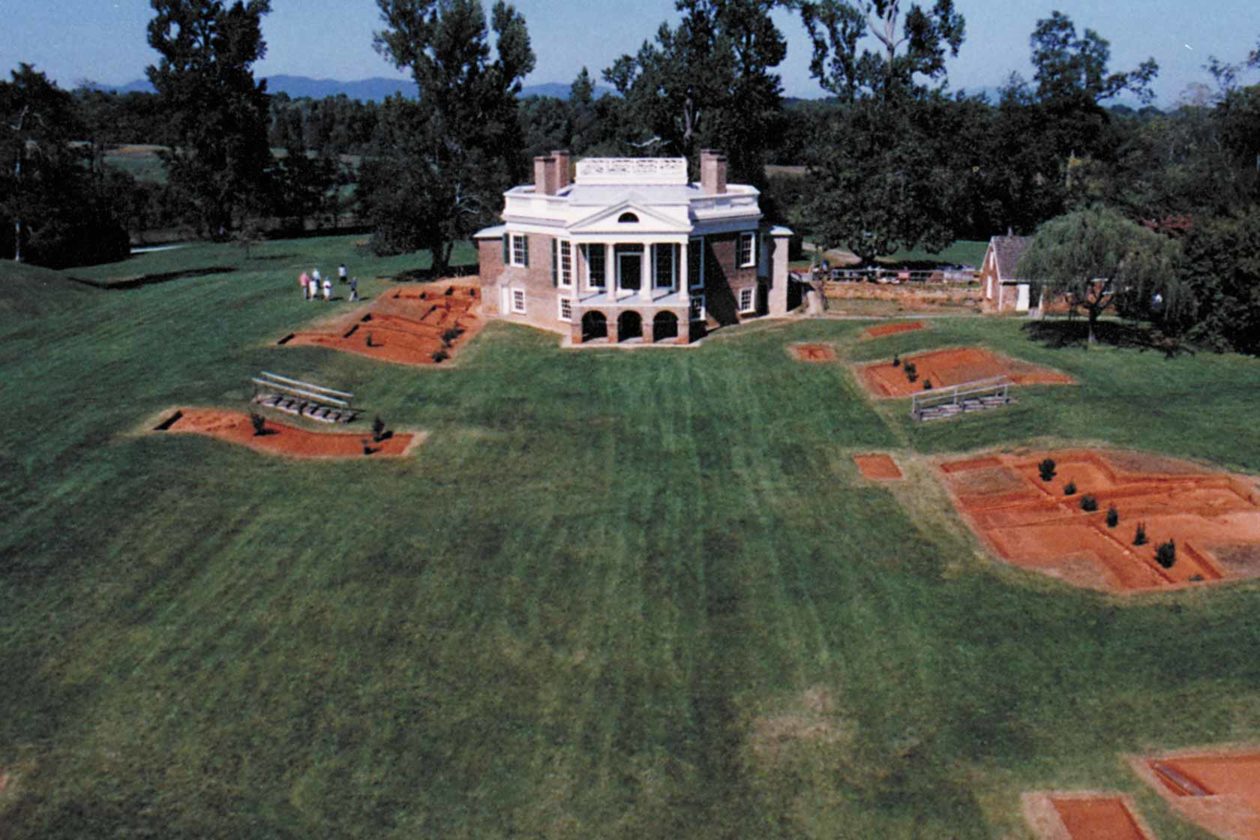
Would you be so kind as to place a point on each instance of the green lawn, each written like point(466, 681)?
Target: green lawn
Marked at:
point(615, 595)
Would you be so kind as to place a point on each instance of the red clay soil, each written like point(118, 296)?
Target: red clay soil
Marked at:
point(1218, 790)
point(282, 439)
point(1083, 816)
point(404, 326)
point(878, 466)
point(814, 352)
point(892, 329)
point(955, 366)
point(1214, 518)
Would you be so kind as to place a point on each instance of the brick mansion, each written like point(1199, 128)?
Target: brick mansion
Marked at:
point(631, 251)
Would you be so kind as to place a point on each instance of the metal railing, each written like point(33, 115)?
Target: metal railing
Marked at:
point(997, 388)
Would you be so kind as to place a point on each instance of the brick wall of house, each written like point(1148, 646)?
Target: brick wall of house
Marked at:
point(541, 296)
point(490, 267)
point(724, 277)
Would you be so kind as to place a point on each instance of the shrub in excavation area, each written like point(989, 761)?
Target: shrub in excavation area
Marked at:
point(1139, 536)
point(1069, 489)
point(896, 360)
point(378, 429)
point(259, 423)
point(912, 372)
point(1046, 468)
point(1113, 516)
point(1166, 554)
point(1088, 503)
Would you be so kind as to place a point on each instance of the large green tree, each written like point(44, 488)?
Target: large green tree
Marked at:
point(217, 112)
point(1096, 258)
point(882, 168)
point(442, 162)
point(709, 81)
point(56, 209)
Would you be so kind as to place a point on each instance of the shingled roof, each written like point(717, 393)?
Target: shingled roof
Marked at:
point(1006, 253)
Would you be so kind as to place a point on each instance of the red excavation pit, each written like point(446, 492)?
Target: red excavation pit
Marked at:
point(814, 353)
point(878, 466)
point(283, 439)
point(892, 329)
point(955, 366)
point(1219, 789)
point(410, 326)
point(1084, 816)
point(1213, 519)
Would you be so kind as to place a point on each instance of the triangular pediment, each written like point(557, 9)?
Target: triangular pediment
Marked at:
point(608, 220)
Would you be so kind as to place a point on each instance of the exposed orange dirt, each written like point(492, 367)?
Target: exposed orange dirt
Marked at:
point(955, 366)
point(878, 466)
point(1218, 790)
point(892, 329)
point(1214, 518)
point(405, 325)
point(1083, 816)
point(282, 439)
point(814, 352)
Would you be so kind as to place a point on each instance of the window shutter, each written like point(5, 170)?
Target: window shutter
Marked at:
point(526, 238)
point(507, 244)
point(555, 262)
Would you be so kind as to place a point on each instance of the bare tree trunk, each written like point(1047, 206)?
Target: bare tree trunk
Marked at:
point(17, 217)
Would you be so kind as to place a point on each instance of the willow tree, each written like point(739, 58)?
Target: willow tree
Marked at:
point(1096, 258)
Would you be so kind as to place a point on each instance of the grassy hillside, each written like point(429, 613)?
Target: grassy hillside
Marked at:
point(616, 595)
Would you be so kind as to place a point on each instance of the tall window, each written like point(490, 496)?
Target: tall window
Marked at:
point(566, 309)
point(520, 250)
point(747, 249)
point(663, 257)
point(695, 263)
point(518, 301)
point(596, 274)
point(746, 300)
point(566, 263)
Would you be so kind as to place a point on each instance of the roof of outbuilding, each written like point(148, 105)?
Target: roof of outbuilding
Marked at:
point(1006, 252)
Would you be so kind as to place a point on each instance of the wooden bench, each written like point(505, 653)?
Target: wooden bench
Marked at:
point(943, 403)
point(305, 399)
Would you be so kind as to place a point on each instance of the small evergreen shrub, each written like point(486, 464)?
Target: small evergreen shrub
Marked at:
point(912, 371)
point(1139, 536)
point(927, 384)
point(896, 360)
point(1069, 489)
point(1113, 516)
point(259, 423)
point(440, 356)
point(449, 336)
point(1046, 468)
point(378, 429)
point(1088, 503)
point(1166, 554)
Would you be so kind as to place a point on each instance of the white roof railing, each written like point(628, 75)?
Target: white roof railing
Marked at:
point(653, 172)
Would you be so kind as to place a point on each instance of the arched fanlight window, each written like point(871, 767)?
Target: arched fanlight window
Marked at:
point(627, 218)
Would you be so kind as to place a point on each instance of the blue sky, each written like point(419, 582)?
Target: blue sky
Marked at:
point(104, 40)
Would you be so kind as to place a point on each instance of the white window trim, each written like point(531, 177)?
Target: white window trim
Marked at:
point(513, 260)
point(751, 262)
point(565, 274)
point(519, 294)
point(696, 282)
point(560, 302)
point(696, 316)
point(752, 298)
point(590, 286)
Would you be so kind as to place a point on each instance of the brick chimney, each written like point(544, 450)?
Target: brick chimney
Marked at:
point(712, 172)
point(563, 161)
point(544, 175)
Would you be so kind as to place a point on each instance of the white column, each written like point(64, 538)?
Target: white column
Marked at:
point(645, 267)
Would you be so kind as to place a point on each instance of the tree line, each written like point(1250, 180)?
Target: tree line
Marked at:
point(894, 158)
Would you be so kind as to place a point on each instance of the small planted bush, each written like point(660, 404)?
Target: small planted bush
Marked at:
point(259, 423)
point(1166, 554)
point(440, 356)
point(1139, 536)
point(1088, 503)
point(927, 384)
point(449, 336)
point(896, 360)
point(912, 371)
point(1069, 489)
point(1113, 516)
point(1046, 469)
point(378, 429)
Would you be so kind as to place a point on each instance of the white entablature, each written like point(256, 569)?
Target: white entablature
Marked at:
point(664, 172)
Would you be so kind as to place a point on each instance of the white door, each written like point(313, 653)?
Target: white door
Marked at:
point(1021, 302)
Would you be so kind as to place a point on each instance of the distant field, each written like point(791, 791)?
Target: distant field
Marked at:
point(617, 595)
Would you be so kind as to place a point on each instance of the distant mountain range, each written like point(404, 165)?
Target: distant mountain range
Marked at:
point(365, 90)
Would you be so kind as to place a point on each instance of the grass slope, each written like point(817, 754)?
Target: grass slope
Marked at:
point(616, 595)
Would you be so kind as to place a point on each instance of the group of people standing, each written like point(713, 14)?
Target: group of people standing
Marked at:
point(315, 286)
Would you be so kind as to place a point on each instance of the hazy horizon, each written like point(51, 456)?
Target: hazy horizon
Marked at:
point(77, 41)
